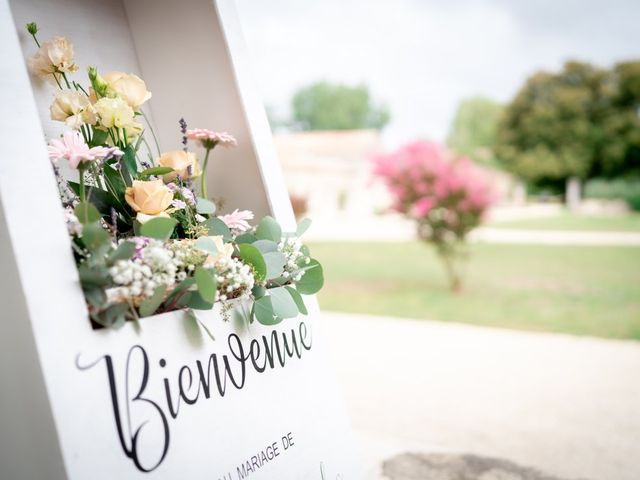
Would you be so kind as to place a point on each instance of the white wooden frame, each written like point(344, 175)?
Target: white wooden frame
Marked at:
point(51, 413)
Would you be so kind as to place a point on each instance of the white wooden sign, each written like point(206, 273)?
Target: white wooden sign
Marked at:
point(162, 401)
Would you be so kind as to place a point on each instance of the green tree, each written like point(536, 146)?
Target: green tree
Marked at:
point(474, 128)
point(580, 122)
point(326, 106)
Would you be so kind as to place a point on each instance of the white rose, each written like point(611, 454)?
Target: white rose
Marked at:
point(114, 112)
point(72, 108)
point(129, 87)
point(55, 55)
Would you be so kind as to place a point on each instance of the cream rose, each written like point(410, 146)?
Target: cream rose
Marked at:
point(144, 218)
point(225, 251)
point(72, 108)
point(55, 55)
point(114, 112)
point(148, 197)
point(181, 162)
point(129, 87)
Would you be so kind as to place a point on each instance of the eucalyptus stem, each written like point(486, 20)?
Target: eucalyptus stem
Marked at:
point(203, 175)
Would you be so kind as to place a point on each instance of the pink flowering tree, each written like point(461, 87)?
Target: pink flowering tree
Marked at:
point(446, 196)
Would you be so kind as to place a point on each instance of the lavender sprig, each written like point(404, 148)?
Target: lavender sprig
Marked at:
point(183, 129)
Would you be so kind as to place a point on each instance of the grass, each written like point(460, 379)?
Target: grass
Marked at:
point(579, 290)
point(569, 221)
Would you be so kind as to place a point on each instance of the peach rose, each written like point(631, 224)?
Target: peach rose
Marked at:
point(225, 251)
point(180, 161)
point(54, 56)
point(149, 197)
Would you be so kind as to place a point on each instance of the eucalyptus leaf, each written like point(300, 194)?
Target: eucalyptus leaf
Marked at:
point(151, 304)
point(246, 238)
point(206, 284)
point(195, 301)
point(160, 228)
point(124, 251)
point(93, 276)
point(86, 213)
point(265, 246)
point(275, 264)
point(205, 206)
point(258, 291)
point(263, 311)
point(252, 256)
point(303, 226)
point(218, 227)
point(206, 244)
point(302, 308)
point(283, 304)
point(95, 237)
point(312, 280)
point(129, 161)
point(269, 229)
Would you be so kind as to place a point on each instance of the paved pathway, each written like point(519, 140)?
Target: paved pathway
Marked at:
point(568, 406)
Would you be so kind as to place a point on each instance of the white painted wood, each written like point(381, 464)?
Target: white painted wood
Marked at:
point(56, 419)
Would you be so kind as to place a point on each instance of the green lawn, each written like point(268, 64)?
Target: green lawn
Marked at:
point(569, 221)
point(579, 290)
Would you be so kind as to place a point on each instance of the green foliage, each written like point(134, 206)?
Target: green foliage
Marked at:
point(326, 106)
point(151, 304)
point(86, 213)
point(312, 280)
point(156, 171)
point(206, 284)
point(205, 206)
point(159, 228)
point(218, 227)
point(474, 128)
point(623, 189)
point(581, 122)
point(269, 229)
point(252, 256)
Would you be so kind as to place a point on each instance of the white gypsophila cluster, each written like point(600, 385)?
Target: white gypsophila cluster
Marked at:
point(235, 279)
point(152, 266)
point(291, 247)
point(187, 257)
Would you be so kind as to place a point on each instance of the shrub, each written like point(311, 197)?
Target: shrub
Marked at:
point(446, 197)
point(622, 189)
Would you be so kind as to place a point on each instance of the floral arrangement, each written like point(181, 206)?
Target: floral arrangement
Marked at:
point(446, 196)
point(145, 233)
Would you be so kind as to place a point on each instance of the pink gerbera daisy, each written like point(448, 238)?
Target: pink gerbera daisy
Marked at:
point(210, 139)
point(73, 148)
point(237, 220)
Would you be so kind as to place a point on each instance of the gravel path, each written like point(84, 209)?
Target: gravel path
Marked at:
point(568, 406)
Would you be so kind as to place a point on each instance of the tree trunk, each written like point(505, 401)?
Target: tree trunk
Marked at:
point(573, 193)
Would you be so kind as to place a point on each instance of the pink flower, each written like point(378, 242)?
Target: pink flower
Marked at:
point(210, 139)
point(75, 150)
point(423, 206)
point(238, 220)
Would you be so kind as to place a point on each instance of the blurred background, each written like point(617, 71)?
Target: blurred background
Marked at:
point(474, 336)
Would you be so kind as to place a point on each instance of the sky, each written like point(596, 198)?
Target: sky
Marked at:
point(421, 57)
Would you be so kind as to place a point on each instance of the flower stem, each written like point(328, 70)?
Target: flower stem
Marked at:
point(203, 176)
point(81, 172)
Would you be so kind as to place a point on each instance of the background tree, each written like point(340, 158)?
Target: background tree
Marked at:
point(581, 122)
point(326, 106)
point(474, 128)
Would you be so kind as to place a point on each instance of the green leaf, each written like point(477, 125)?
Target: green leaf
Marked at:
point(302, 308)
point(206, 284)
point(283, 304)
point(252, 256)
point(159, 228)
point(93, 276)
point(112, 317)
point(275, 264)
point(129, 162)
point(206, 244)
point(218, 227)
point(156, 171)
point(266, 246)
point(101, 199)
point(303, 226)
point(246, 238)
point(263, 311)
point(114, 181)
point(95, 237)
point(205, 206)
point(312, 280)
point(195, 301)
point(268, 229)
point(124, 252)
point(99, 137)
point(182, 286)
point(258, 291)
point(151, 304)
point(86, 213)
